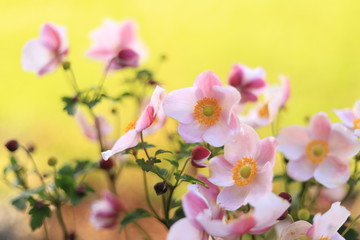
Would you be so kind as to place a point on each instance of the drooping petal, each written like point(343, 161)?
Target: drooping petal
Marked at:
point(36, 56)
point(332, 173)
point(221, 171)
point(243, 225)
point(191, 133)
point(180, 104)
point(128, 140)
point(146, 119)
point(193, 203)
point(244, 144)
point(211, 191)
point(52, 36)
point(266, 152)
point(342, 143)
point(328, 224)
point(231, 198)
point(346, 116)
point(184, 230)
point(320, 126)
point(205, 82)
point(301, 169)
point(292, 141)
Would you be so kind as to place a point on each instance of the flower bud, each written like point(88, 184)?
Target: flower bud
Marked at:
point(286, 196)
point(105, 213)
point(66, 65)
point(160, 188)
point(52, 162)
point(39, 204)
point(12, 145)
point(106, 164)
point(128, 58)
point(81, 190)
point(31, 148)
point(303, 214)
point(199, 155)
point(71, 235)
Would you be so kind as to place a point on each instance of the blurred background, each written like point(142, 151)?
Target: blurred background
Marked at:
point(314, 43)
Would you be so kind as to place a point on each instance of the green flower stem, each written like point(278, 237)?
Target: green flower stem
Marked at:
point(35, 166)
point(351, 225)
point(61, 220)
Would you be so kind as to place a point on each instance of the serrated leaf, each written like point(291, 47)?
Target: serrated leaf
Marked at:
point(133, 216)
point(192, 180)
point(38, 215)
point(70, 105)
point(161, 151)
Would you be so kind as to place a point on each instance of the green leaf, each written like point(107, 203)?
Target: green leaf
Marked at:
point(38, 215)
point(134, 216)
point(189, 179)
point(70, 105)
point(173, 162)
point(350, 235)
point(19, 203)
point(161, 151)
point(179, 213)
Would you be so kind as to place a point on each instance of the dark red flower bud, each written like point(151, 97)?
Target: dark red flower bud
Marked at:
point(71, 235)
point(81, 190)
point(12, 145)
point(199, 155)
point(284, 215)
point(160, 188)
point(31, 148)
point(106, 164)
point(286, 196)
point(39, 204)
point(128, 58)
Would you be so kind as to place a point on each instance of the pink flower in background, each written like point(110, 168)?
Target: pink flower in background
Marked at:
point(245, 171)
point(323, 151)
point(45, 54)
point(266, 112)
point(249, 82)
point(324, 227)
point(132, 136)
point(89, 130)
point(199, 155)
point(117, 44)
point(351, 117)
point(105, 213)
point(205, 111)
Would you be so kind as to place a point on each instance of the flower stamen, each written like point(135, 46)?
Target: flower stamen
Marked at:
point(244, 171)
point(317, 150)
point(207, 111)
point(131, 125)
point(264, 111)
point(356, 123)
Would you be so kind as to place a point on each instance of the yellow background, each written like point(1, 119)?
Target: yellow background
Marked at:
point(314, 43)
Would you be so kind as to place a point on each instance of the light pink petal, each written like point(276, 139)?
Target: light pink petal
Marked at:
point(228, 98)
point(243, 225)
point(332, 173)
point(261, 184)
point(248, 97)
point(185, 230)
point(356, 109)
point(337, 236)
point(211, 191)
point(221, 172)
point(50, 37)
point(128, 140)
point(145, 119)
point(301, 169)
point(193, 203)
point(105, 127)
point(267, 210)
point(296, 230)
point(236, 76)
point(157, 98)
point(342, 143)
point(357, 132)
point(205, 82)
point(216, 228)
point(346, 116)
point(266, 152)
point(36, 56)
point(292, 141)
point(320, 126)
point(180, 104)
point(191, 133)
point(244, 144)
point(89, 130)
point(231, 198)
point(127, 33)
point(219, 134)
point(328, 224)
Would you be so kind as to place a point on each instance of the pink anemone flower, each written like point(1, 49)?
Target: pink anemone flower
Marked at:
point(323, 151)
point(245, 171)
point(205, 111)
point(351, 117)
point(324, 227)
point(132, 136)
point(249, 82)
point(105, 213)
point(117, 45)
point(266, 112)
point(45, 54)
point(89, 130)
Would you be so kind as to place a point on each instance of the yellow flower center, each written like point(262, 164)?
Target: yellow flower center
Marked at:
point(317, 150)
point(324, 238)
point(131, 125)
point(244, 171)
point(264, 111)
point(207, 111)
point(357, 123)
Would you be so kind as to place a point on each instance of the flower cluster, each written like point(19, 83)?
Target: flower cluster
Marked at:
point(234, 195)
